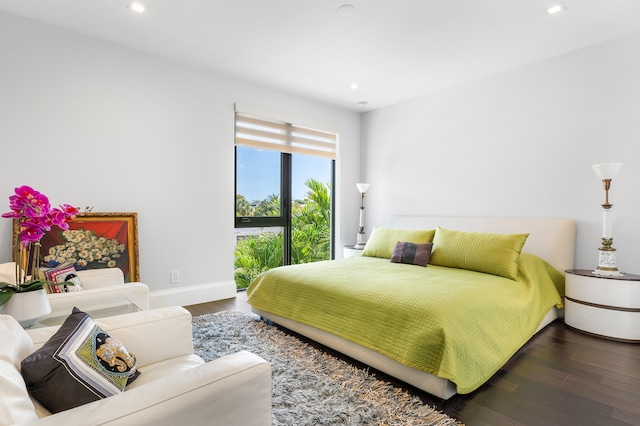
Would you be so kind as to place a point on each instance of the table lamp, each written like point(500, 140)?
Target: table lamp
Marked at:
point(607, 254)
point(361, 241)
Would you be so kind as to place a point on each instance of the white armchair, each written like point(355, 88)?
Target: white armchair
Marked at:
point(175, 386)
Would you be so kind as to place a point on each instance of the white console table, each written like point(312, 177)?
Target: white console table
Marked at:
point(606, 306)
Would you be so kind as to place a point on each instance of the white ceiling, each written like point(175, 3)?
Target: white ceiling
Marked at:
point(396, 50)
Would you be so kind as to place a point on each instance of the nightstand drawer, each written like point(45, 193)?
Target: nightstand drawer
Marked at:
point(603, 291)
point(617, 324)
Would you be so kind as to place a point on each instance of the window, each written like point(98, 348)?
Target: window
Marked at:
point(284, 192)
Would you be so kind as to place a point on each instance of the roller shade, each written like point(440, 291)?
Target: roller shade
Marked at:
point(284, 137)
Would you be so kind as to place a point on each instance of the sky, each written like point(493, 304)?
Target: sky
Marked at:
point(258, 173)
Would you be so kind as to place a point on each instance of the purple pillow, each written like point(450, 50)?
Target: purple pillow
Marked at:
point(412, 254)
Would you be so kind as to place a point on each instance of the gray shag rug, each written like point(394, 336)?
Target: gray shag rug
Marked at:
point(311, 387)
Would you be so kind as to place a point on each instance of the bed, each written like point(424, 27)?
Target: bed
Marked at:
point(490, 285)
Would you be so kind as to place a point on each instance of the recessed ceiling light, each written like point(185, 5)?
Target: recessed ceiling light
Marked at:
point(362, 104)
point(136, 7)
point(346, 10)
point(355, 86)
point(556, 8)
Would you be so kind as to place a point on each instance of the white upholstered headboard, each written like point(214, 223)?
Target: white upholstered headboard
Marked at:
point(552, 239)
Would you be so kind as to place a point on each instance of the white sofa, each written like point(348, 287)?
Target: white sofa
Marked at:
point(100, 286)
point(175, 386)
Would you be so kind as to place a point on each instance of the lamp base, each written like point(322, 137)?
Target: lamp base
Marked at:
point(615, 273)
point(361, 241)
point(607, 263)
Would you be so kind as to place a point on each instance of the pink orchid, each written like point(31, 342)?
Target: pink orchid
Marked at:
point(30, 233)
point(57, 217)
point(34, 215)
point(11, 215)
point(28, 202)
point(69, 210)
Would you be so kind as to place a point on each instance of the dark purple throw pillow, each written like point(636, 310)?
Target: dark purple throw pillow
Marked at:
point(413, 254)
point(80, 363)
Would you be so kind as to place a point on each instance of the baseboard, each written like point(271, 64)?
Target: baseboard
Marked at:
point(193, 294)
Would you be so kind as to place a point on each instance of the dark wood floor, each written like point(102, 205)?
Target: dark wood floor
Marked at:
point(560, 377)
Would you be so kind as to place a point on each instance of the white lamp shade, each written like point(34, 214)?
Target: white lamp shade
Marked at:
point(607, 170)
point(362, 187)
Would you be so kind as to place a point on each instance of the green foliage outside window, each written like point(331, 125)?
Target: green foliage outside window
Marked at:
point(311, 234)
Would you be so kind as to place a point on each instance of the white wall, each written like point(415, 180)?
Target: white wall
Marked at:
point(94, 124)
point(518, 144)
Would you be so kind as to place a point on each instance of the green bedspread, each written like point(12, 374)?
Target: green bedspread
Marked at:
point(453, 323)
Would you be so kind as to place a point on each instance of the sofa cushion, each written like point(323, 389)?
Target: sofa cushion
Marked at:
point(496, 254)
point(412, 254)
point(80, 363)
point(16, 342)
point(15, 405)
point(383, 240)
point(177, 365)
point(8, 273)
point(101, 278)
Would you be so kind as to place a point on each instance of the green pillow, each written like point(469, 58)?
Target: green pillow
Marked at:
point(495, 254)
point(383, 240)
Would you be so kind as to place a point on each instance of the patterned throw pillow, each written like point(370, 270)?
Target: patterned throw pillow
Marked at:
point(410, 253)
point(64, 273)
point(80, 363)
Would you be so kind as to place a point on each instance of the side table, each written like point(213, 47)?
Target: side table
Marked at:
point(351, 251)
point(607, 306)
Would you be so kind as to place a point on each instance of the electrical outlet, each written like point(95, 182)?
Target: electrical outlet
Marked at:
point(175, 277)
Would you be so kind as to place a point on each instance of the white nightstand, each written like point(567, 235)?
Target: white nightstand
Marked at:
point(603, 305)
point(351, 251)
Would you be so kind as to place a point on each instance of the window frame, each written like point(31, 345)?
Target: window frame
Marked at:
point(284, 220)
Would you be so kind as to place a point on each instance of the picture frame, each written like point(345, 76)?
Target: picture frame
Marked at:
point(93, 241)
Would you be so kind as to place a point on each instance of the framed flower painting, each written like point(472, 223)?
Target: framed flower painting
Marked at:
point(93, 241)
